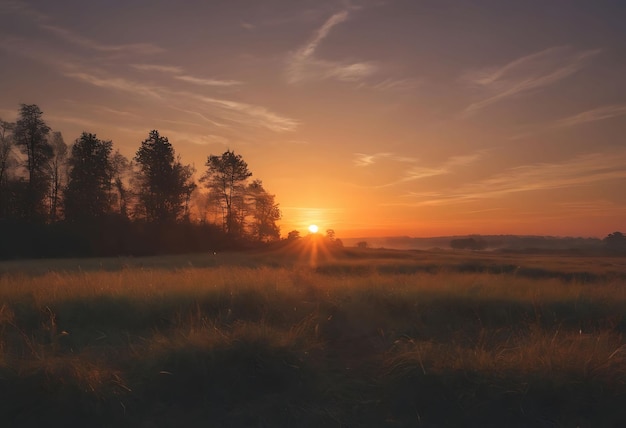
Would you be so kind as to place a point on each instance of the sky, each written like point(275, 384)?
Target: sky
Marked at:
point(372, 118)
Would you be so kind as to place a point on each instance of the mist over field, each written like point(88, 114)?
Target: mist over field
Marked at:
point(492, 242)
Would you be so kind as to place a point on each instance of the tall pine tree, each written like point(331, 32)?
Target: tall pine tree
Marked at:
point(31, 137)
point(165, 185)
point(88, 191)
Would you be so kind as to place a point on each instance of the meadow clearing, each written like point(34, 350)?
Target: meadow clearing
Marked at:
point(309, 336)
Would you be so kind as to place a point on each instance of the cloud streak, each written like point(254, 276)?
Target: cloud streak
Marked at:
point(78, 40)
point(593, 115)
point(398, 85)
point(587, 116)
point(525, 74)
point(207, 82)
point(218, 110)
point(414, 171)
point(43, 21)
point(577, 171)
point(234, 111)
point(417, 172)
point(168, 69)
point(304, 65)
point(117, 83)
point(17, 7)
point(364, 160)
point(179, 74)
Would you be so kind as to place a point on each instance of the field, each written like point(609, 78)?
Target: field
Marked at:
point(311, 337)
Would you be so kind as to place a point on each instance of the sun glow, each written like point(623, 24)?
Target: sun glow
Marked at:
point(313, 228)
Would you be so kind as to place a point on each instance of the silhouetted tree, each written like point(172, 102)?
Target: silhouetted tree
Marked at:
point(225, 177)
point(468, 244)
point(56, 167)
point(165, 185)
point(331, 238)
point(88, 191)
point(264, 211)
point(293, 235)
point(6, 146)
point(361, 244)
point(122, 169)
point(7, 161)
point(183, 176)
point(30, 136)
point(615, 241)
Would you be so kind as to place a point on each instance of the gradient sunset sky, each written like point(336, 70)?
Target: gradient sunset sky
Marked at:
point(397, 117)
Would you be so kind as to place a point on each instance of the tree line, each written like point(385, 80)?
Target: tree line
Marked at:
point(89, 199)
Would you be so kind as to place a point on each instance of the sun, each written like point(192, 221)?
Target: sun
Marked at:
point(313, 228)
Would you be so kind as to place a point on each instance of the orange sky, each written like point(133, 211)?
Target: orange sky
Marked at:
point(373, 118)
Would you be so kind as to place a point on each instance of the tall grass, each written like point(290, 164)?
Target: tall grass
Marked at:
point(363, 338)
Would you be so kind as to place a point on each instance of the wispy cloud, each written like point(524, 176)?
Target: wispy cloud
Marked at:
point(45, 23)
point(587, 116)
point(207, 82)
point(169, 69)
point(117, 112)
point(87, 124)
point(525, 74)
point(419, 172)
point(247, 26)
point(195, 138)
point(415, 172)
point(179, 74)
point(18, 7)
point(464, 160)
point(593, 115)
point(363, 160)
point(78, 40)
point(255, 115)
point(308, 50)
point(304, 65)
point(118, 83)
point(577, 171)
point(399, 85)
point(199, 115)
point(214, 110)
point(599, 207)
point(234, 111)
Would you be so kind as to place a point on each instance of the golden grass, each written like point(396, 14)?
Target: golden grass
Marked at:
point(129, 327)
point(538, 354)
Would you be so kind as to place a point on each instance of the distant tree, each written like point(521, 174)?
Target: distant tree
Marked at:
point(88, 191)
point(206, 207)
point(264, 212)
point(165, 185)
point(30, 136)
point(225, 177)
point(331, 238)
point(7, 162)
point(56, 167)
point(468, 244)
point(122, 169)
point(293, 235)
point(186, 185)
point(615, 241)
point(6, 146)
point(361, 244)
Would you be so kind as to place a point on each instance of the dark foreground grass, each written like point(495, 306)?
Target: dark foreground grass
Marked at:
point(354, 341)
